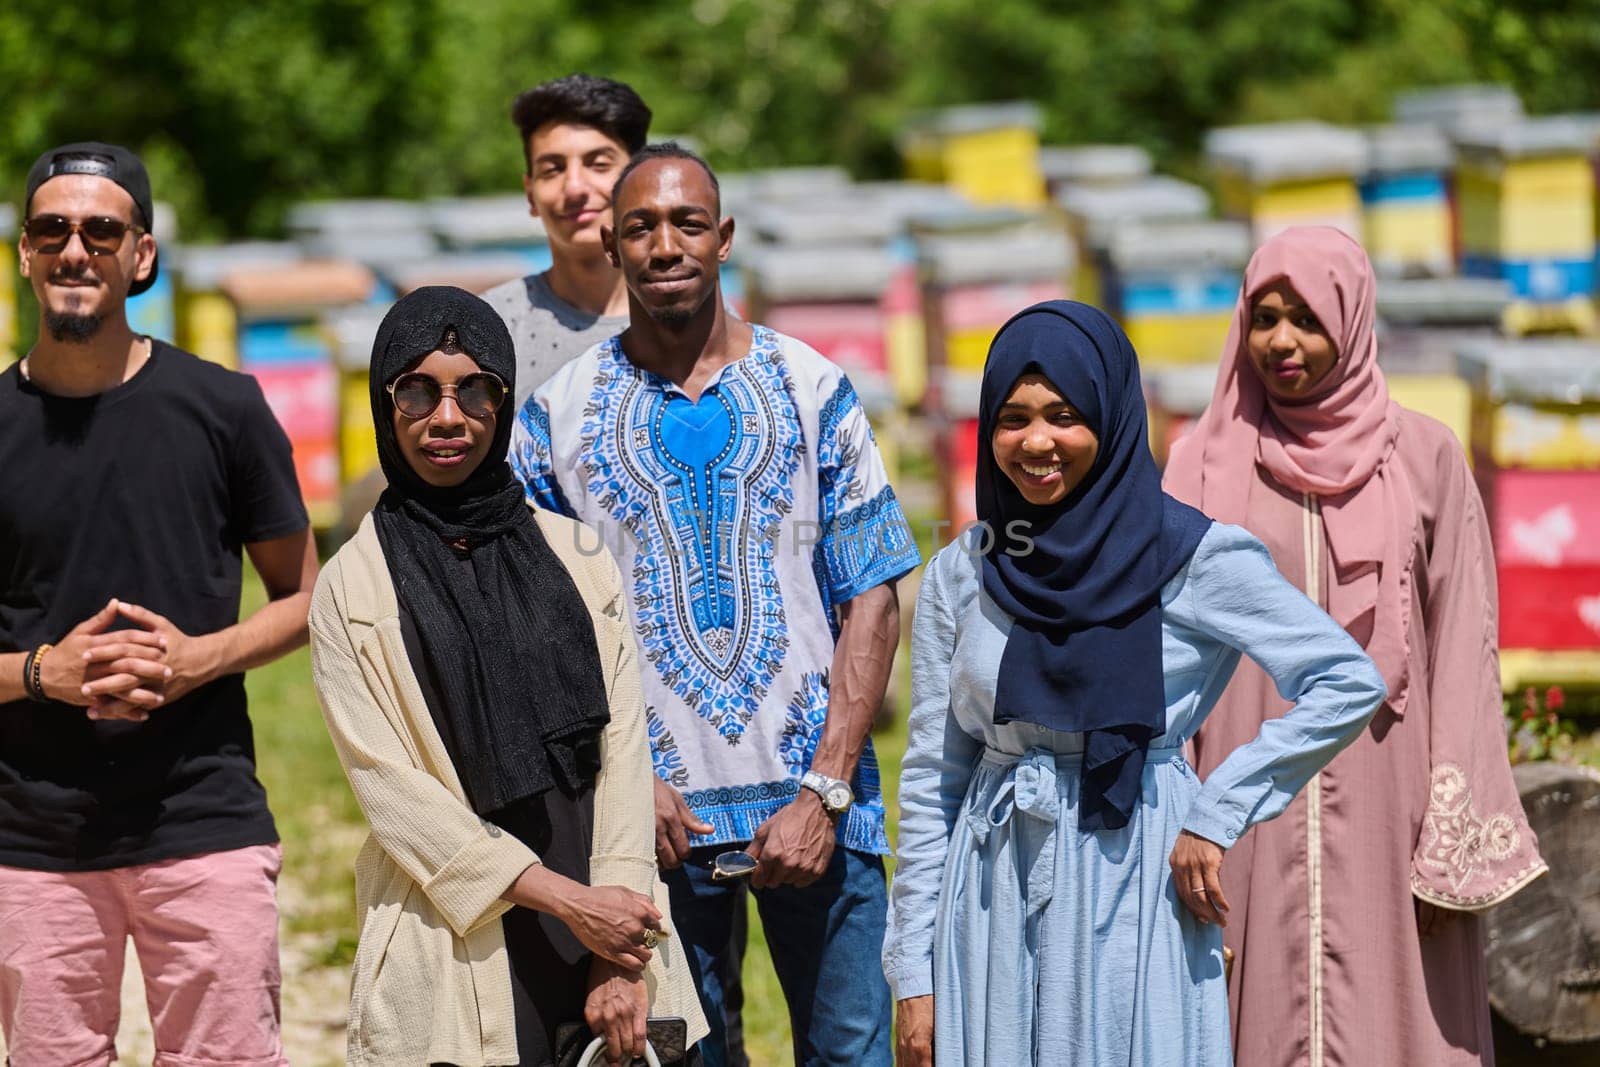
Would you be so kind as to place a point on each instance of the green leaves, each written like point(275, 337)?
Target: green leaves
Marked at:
point(245, 109)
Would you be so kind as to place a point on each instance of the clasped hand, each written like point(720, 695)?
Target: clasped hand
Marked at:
point(126, 673)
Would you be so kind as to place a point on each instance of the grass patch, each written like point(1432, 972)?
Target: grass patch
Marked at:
point(318, 820)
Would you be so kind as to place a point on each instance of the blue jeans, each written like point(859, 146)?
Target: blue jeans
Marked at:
point(826, 942)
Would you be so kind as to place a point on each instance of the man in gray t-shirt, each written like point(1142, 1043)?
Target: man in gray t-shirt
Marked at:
point(578, 132)
point(547, 330)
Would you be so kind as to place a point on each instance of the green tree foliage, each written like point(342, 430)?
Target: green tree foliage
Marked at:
point(243, 109)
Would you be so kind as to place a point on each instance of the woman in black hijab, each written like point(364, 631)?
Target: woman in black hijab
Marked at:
point(481, 686)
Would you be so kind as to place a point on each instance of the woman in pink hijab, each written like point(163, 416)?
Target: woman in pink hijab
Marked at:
point(1352, 924)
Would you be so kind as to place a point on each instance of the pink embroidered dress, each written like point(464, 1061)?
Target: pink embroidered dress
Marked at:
point(1330, 967)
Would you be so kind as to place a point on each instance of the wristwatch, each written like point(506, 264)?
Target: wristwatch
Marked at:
point(835, 793)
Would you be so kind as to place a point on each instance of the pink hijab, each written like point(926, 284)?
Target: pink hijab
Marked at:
point(1337, 443)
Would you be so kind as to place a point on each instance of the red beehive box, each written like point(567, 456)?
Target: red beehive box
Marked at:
point(849, 334)
point(1547, 551)
point(305, 399)
point(958, 449)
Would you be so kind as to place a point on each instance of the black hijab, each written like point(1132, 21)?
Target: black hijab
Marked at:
point(507, 636)
point(1085, 653)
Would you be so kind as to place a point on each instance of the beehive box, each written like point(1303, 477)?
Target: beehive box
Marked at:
point(1277, 175)
point(350, 332)
point(1176, 397)
point(1094, 214)
point(1536, 404)
point(1459, 110)
point(1547, 555)
point(8, 284)
point(282, 343)
point(208, 324)
point(1099, 165)
point(1526, 196)
point(1405, 201)
point(989, 152)
point(974, 276)
point(1175, 286)
point(1421, 324)
point(832, 298)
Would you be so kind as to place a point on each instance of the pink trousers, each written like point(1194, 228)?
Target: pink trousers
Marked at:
point(206, 932)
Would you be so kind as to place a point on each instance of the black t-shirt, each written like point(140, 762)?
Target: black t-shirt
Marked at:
point(148, 493)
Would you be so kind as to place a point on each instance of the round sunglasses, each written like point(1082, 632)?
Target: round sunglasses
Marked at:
point(101, 235)
point(417, 395)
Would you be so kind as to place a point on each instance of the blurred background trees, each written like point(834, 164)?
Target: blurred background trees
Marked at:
point(241, 110)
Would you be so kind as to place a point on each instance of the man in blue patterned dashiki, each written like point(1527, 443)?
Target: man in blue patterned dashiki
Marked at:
point(733, 473)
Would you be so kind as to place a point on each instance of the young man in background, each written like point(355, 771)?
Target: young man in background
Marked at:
point(578, 132)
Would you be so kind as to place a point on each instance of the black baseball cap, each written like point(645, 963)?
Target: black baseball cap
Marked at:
point(109, 161)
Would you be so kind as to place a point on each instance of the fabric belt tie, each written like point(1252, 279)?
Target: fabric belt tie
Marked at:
point(1030, 788)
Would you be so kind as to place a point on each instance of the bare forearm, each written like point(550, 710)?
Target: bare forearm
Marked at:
point(869, 633)
point(541, 889)
point(11, 687)
point(277, 629)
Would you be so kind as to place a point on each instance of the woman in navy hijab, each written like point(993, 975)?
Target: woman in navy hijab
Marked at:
point(1056, 898)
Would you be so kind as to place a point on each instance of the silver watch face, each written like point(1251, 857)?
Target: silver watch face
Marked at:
point(837, 796)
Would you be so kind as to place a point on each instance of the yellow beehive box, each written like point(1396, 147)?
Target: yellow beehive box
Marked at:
point(8, 304)
point(1441, 396)
point(968, 350)
point(1170, 340)
point(209, 326)
point(889, 428)
point(1409, 233)
point(1522, 667)
point(1281, 174)
point(358, 440)
point(1575, 315)
point(987, 152)
point(907, 354)
point(1545, 436)
point(1526, 190)
point(1335, 197)
point(1527, 208)
point(1535, 403)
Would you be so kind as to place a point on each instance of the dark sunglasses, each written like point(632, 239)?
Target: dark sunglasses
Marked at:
point(102, 236)
point(416, 395)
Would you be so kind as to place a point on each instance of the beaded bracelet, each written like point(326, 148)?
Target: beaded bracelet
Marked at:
point(33, 674)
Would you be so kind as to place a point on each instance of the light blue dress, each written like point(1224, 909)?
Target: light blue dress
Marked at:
point(1046, 945)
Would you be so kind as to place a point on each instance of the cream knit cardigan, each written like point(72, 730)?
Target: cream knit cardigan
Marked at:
point(431, 981)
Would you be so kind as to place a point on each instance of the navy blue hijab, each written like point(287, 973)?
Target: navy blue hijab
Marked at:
point(1085, 653)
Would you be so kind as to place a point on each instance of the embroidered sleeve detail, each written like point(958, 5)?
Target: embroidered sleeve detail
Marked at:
point(1463, 858)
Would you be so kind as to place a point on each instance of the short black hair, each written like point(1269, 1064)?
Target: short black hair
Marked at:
point(665, 150)
point(584, 100)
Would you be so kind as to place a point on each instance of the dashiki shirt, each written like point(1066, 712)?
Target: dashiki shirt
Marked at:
point(739, 522)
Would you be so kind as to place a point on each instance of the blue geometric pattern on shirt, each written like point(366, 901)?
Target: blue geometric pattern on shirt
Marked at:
point(735, 812)
point(837, 453)
point(860, 545)
point(864, 547)
point(533, 461)
point(802, 724)
point(664, 754)
point(702, 488)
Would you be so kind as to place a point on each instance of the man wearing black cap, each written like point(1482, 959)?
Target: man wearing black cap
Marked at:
point(136, 477)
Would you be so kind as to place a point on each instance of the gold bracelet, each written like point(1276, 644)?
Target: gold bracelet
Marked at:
point(33, 680)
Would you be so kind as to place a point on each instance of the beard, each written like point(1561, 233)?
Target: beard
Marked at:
point(673, 317)
point(72, 327)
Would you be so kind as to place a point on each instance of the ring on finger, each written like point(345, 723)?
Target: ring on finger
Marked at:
point(651, 938)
